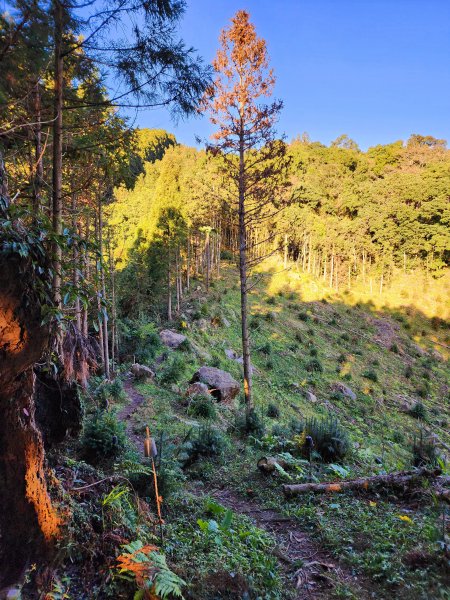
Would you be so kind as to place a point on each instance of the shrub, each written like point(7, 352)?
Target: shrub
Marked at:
point(103, 437)
point(280, 431)
point(314, 366)
point(313, 351)
point(342, 358)
point(394, 348)
point(423, 390)
point(371, 375)
point(202, 405)
point(408, 372)
point(116, 389)
point(254, 323)
point(273, 411)
point(311, 332)
point(226, 255)
point(251, 424)
point(424, 452)
point(345, 337)
point(269, 364)
point(208, 442)
point(418, 411)
point(271, 300)
point(298, 337)
point(270, 316)
point(185, 346)
point(398, 437)
point(331, 441)
point(303, 316)
point(172, 370)
point(265, 349)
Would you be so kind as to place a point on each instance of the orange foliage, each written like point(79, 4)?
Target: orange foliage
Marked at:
point(142, 570)
point(334, 487)
point(12, 336)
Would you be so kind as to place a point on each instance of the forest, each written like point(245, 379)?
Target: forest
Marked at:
point(224, 369)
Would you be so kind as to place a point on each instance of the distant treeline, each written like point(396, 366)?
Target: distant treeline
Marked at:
point(353, 215)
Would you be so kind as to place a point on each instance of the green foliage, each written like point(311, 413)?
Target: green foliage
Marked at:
point(172, 370)
point(371, 375)
point(139, 338)
point(424, 451)
point(273, 411)
point(418, 411)
point(250, 424)
point(314, 366)
point(331, 441)
point(103, 436)
point(266, 349)
point(203, 405)
point(151, 571)
point(303, 316)
point(207, 442)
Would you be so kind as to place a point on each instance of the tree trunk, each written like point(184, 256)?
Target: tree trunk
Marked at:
point(57, 150)
point(75, 266)
point(243, 279)
point(38, 178)
point(28, 522)
point(104, 322)
point(402, 480)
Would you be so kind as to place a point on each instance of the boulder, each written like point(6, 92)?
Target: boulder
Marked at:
point(197, 388)
point(311, 397)
point(171, 338)
point(226, 322)
point(344, 389)
point(220, 383)
point(142, 372)
point(231, 354)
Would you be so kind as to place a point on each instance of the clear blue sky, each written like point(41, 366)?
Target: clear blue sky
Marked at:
point(377, 70)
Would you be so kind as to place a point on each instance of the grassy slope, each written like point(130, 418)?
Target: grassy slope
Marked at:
point(286, 331)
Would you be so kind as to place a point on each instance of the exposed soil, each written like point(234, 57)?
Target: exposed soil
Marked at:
point(136, 400)
point(310, 569)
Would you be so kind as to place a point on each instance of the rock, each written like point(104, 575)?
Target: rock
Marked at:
point(197, 388)
point(161, 358)
point(142, 372)
point(202, 324)
point(338, 386)
point(175, 389)
point(171, 338)
point(311, 397)
point(226, 322)
point(220, 383)
point(437, 355)
point(253, 369)
point(231, 354)
point(13, 594)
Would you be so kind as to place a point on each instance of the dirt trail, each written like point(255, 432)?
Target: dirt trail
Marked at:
point(311, 571)
point(136, 400)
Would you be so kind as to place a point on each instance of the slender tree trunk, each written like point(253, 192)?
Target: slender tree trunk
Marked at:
point(75, 267)
point(208, 259)
point(285, 250)
point(87, 274)
point(57, 150)
point(169, 290)
point(99, 305)
point(112, 275)
point(243, 278)
point(188, 261)
point(103, 288)
point(38, 178)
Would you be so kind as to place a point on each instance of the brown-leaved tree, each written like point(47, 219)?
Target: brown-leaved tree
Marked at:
point(253, 159)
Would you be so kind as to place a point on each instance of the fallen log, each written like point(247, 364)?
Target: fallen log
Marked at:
point(400, 480)
point(266, 464)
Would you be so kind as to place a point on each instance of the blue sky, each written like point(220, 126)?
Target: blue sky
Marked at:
point(377, 70)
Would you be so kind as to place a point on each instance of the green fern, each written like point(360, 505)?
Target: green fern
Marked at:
point(167, 583)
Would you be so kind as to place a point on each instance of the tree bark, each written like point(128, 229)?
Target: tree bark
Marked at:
point(57, 150)
point(243, 279)
point(28, 522)
point(401, 480)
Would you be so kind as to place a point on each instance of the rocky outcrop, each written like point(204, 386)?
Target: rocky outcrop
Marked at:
point(340, 387)
point(220, 383)
point(171, 338)
point(142, 372)
point(197, 388)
